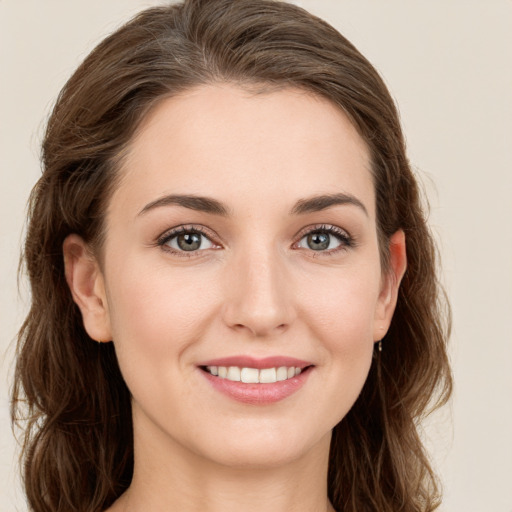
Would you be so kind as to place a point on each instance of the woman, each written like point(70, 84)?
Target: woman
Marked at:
point(234, 297)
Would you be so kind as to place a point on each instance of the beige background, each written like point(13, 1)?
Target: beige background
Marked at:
point(448, 63)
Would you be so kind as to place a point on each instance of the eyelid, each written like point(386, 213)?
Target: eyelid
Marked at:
point(167, 235)
point(346, 239)
point(323, 227)
point(183, 228)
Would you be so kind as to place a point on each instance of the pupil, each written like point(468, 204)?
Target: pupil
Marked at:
point(318, 241)
point(189, 241)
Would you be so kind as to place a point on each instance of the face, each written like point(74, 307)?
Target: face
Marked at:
point(242, 242)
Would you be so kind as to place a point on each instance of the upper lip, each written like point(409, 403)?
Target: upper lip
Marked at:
point(244, 361)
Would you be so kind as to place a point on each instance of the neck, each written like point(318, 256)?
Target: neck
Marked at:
point(168, 476)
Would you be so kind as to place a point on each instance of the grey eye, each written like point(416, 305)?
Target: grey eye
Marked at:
point(189, 242)
point(319, 241)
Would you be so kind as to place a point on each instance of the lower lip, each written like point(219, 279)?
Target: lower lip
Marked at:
point(258, 394)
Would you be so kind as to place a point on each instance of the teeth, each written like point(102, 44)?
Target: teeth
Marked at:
point(253, 375)
point(268, 375)
point(233, 373)
point(282, 373)
point(250, 375)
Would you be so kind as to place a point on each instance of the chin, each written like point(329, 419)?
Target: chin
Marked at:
point(262, 447)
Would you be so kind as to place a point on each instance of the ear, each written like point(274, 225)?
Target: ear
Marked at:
point(390, 284)
point(85, 280)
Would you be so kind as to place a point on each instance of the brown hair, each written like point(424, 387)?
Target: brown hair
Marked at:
point(69, 394)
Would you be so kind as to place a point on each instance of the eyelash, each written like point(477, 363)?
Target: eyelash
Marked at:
point(346, 240)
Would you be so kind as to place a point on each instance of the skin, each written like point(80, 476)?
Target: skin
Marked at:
point(254, 287)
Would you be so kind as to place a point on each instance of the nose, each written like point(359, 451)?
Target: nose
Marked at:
point(259, 294)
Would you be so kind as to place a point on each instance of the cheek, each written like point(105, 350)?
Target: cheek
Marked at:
point(156, 313)
point(341, 307)
point(341, 315)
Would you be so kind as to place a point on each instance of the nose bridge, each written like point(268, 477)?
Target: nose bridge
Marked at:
point(258, 296)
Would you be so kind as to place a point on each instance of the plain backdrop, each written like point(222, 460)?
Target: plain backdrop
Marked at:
point(448, 63)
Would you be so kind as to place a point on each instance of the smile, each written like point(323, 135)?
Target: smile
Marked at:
point(256, 381)
point(254, 375)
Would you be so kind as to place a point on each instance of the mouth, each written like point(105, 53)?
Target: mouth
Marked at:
point(250, 375)
point(257, 381)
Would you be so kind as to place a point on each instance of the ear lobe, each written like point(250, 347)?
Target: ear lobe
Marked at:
point(390, 284)
point(86, 283)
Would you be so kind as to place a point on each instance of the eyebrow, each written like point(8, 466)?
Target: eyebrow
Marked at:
point(318, 203)
point(201, 204)
point(212, 206)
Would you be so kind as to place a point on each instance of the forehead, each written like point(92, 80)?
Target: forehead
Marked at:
point(226, 142)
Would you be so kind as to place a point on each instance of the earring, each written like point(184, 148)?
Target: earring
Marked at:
point(380, 345)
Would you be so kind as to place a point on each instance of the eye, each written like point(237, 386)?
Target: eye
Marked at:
point(185, 240)
point(325, 239)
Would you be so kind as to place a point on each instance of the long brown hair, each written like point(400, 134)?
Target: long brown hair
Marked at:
point(69, 395)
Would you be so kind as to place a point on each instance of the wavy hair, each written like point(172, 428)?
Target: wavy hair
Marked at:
point(69, 396)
